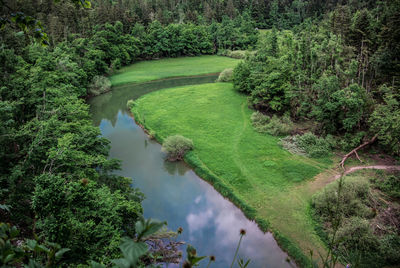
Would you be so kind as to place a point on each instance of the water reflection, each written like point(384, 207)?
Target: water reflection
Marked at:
point(106, 106)
point(175, 168)
point(175, 194)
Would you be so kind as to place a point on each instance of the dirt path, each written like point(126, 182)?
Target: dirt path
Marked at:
point(381, 167)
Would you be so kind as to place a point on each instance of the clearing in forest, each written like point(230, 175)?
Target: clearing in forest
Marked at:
point(171, 67)
point(253, 166)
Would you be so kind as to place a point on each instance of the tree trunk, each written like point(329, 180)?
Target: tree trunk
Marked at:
point(354, 151)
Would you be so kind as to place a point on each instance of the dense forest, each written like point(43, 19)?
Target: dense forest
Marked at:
point(343, 74)
point(333, 63)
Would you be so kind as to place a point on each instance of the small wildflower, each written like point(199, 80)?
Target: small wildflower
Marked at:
point(212, 258)
point(180, 230)
point(242, 232)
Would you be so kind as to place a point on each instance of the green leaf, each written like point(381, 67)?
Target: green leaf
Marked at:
point(121, 263)
point(94, 264)
point(31, 244)
point(9, 258)
point(145, 228)
point(41, 248)
point(61, 252)
point(132, 251)
point(195, 260)
point(5, 207)
point(33, 264)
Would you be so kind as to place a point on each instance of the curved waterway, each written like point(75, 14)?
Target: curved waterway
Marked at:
point(173, 191)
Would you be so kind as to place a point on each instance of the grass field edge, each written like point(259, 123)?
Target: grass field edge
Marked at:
point(285, 243)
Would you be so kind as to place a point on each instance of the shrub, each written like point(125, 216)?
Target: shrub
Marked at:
point(290, 143)
point(130, 104)
point(274, 125)
point(258, 119)
point(353, 200)
point(225, 75)
point(367, 234)
point(99, 85)
point(308, 144)
point(115, 65)
point(279, 126)
point(390, 184)
point(351, 140)
point(176, 147)
point(314, 146)
point(237, 54)
point(355, 233)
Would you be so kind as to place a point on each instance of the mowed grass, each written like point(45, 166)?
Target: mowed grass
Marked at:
point(277, 184)
point(171, 67)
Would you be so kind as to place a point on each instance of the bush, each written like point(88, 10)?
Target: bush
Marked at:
point(309, 144)
point(99, 85)
point(354, 199)
point(176, 147)
point(236, 54)
point(276, 126)
point(225, 75)
point(130, 104)
point(314, 146)
point(355, 233)
point(351, 140)
point(390, 185)
point(279, 126)
point(259, 120)
point(290, 143)
point(367, 235)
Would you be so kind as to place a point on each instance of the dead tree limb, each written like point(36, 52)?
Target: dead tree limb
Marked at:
point(354, 151)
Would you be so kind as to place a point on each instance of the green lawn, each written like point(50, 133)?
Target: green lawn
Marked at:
point(277, 184)
point(171, 67)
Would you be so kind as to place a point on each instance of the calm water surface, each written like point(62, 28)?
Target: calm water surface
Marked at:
point(173, 191)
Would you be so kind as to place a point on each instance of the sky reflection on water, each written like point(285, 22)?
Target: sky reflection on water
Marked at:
point(174, 192)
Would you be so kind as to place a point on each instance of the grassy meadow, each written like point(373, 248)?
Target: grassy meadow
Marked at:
point(171, 67)
point(268, 183)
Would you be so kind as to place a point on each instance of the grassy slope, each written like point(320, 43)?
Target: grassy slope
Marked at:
point(171, 67)
point(243, 165)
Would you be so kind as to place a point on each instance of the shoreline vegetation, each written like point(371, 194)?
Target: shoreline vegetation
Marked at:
point(325, 72)
point(156, 126)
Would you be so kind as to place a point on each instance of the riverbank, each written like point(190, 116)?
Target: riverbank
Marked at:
point(171, 67)
point(268, 184)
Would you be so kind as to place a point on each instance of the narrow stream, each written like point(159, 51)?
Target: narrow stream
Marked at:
point(173, 191)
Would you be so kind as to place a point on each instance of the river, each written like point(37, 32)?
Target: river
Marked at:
point(173, 191)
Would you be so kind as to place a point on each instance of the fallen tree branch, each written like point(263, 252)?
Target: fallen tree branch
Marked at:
point(354, 151)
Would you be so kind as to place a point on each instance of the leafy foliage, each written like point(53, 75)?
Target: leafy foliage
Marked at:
point(276, 126)
point(365, 234)
point(176, 147)
point(99, 85)
point(332, 73)
point(385, 120)
point(225, 75)
point(308, 144)
point(31, 253)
